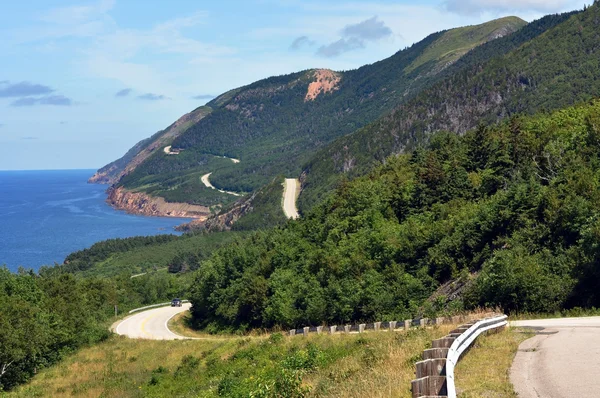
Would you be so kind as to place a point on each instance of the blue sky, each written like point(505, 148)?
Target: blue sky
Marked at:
point(82, 81)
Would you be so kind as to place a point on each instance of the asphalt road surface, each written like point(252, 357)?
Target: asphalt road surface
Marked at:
point(562, 361)
point(205, 180)
point(151, 324)
point(289, 198)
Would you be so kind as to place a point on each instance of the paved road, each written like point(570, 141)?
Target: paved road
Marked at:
point(563, 361)
point(151, 324)
point(205, 180)
point(290, 193)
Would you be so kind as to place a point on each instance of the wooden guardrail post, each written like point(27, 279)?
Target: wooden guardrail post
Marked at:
point(429, 386)
point(393, 325)
point(435, 373)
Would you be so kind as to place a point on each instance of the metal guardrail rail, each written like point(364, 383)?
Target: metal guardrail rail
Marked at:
point(435, 374)
point(154, 306)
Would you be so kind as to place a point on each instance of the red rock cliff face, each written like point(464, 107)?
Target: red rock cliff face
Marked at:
point(143, 204)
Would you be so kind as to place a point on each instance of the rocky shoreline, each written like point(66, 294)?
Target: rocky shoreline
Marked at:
point(146, 205)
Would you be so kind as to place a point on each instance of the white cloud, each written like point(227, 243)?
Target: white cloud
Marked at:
point(74, 15)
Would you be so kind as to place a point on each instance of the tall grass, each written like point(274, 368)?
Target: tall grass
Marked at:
point(366, 365)
point(484, 370)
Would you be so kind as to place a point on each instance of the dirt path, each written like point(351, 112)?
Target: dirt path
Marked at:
point(290, 194)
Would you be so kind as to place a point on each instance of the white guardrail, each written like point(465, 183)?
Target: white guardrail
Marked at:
point(463, 342)
point(435, 374)
point(154, 306)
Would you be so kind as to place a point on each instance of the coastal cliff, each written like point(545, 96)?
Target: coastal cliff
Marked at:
point(223, 221)
point(146, 205)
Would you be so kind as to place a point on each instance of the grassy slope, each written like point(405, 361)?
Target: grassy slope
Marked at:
point(455, 43)
point(478, 375)
point(369, 365)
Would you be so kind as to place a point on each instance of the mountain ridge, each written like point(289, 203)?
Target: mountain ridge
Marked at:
point(520, 79)
point(274, 125)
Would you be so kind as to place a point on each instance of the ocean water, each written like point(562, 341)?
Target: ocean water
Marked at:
point(45, 215)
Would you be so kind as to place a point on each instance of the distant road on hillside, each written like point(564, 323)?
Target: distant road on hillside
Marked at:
point(562, 361)
point(151, 324)
point(290, 193)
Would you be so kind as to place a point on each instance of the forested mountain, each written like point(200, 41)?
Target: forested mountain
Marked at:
point(112, 172)
point(273, 126)
point(513, 210)
point(524, 73)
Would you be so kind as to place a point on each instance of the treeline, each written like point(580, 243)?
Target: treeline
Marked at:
point(142, 254)
point(45, 317)
point(84, 259)
point(515, 208)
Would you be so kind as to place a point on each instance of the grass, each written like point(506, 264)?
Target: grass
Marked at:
point(484, 370)
point(366, 365)
point(180, 324)
point(456, 42)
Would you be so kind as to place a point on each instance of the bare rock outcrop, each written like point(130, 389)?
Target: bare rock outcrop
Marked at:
point(144, 204)
point(325, 81)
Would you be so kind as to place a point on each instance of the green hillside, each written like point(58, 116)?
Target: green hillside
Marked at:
point(455, 43)
point(547, 65)
point(274, 126)
point(511, 210)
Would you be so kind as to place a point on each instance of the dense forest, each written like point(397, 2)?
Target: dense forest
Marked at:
point(47, 316)
point(512, 208)
point(548, 65)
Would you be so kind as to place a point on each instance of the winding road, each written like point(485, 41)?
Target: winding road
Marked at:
point(205, 179)
point(561, 361)
point(151, 324)
point(207, 183)
point(290, 193)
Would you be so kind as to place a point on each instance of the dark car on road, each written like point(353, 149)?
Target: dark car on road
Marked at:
point(176, 302)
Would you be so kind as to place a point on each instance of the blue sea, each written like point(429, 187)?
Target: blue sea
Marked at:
point(45, 215)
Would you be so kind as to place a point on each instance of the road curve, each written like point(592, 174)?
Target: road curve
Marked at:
point(207, 183)
point(151, 324)
point(290, 193)
point(562, 361)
